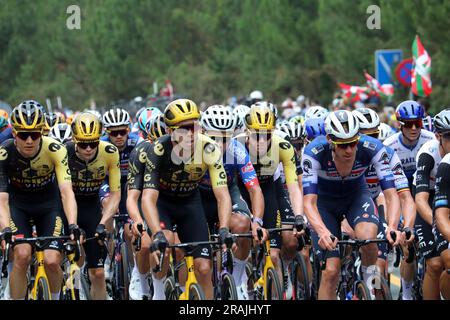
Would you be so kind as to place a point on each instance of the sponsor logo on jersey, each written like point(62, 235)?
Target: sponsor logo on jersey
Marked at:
point(369, 145)
point(53, 147)
point(110, 149)
point(317, 149)
point(307, 165)
point(247, 168)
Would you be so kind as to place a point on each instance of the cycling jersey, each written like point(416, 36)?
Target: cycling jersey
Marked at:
point(321, 177)
point(298, 163)
point(407, 154)
point(87, 177)
point(6, 134)
point(33, 177)
point(266, 165)
point(235, 159)
point(442, 187)
point(136, 165)
point(183, 177)
point(400, 180)
point(427, 159)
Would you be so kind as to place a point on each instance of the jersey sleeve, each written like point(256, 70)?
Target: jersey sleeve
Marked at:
point(287, 157)
point(442, 187)
point(425, 164)
point(400, 180)
point(113, 167)
point(244, 165)
point(61, 162)
point(154, 159)
point(380, 162)
point(298, 164)
point(136, 168)
point(212, 156)
point(311, 167)
point(3, 169)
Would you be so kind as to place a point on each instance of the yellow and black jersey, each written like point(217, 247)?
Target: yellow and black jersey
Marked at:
point(87, 177)
point(165, 171)
point(279, 150)
point(25, 176)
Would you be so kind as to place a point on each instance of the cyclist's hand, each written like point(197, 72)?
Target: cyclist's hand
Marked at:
point(226, 238)
point(135, 229)
point(255, 227)
point(6, 237)
point(408, 235)
point(398, 239)
point(325, 241)
point(158, 245)
point(100, 233)
point(299, 226)
point(74, 232)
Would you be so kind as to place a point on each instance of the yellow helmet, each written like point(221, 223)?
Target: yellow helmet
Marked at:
point(86, 127)
point(180, 110)
point(260, 117)
point(156, 128)
point(51, 119)
point(28, 115)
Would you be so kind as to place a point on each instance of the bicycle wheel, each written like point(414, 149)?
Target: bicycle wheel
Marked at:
point(300, 279)
point(228, 288)
point(273, 285)
point(43, 290)
point(196, 292)
point(85, 288)
point(170, 289)
point(125, 271)
point(250, 282)
point(316, 272)
point(361, 291)
point(384, 292)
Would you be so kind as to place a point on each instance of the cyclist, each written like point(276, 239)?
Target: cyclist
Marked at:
point(442, 213)
point(51, 119)
point(218, 122)
point(316, 112)
point(90, 160)
point(61, 132)
point(5, 127)
point(239, 112)
point(155, 128)
point(266, 151)
point(407, 143)
point(313, 128)
point(385, 132)
point(175, 164)
point(28, 190)
point(334, 185)
point(145, 116)
point(428, 159)
point(369, 122)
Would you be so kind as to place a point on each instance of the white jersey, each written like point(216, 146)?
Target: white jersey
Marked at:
point(407, 154)
point(428, 169)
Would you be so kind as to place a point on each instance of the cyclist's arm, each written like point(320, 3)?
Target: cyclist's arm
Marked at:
point(132, 205)
point(442, 200)
point(425, 164)
point(149, 209)
point(287, 157)
point(313, 215)
point(60, 161)
point(112, 204)
point(257, 201)
point(4, 210)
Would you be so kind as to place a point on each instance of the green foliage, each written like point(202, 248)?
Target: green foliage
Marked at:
point(209, 49)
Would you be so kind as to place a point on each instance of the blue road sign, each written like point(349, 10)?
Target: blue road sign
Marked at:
point(385, 63)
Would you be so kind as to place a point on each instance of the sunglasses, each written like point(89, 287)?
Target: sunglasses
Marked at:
point(345, 144)
point(23, 135)
point(410, 124)
point(116, 133)
point(85, 145)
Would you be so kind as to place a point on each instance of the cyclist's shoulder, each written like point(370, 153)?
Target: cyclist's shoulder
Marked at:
point(134, 139)
point(316, 148)
point(427, 135)
point(392, 140)
point(445, 159)
point(107, 149)
point(7, 144)
point(52, 146)
point(430, 147)
point(370, 145)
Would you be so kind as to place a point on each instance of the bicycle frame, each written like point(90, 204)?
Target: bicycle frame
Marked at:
point(191, 279)
point(39, 274)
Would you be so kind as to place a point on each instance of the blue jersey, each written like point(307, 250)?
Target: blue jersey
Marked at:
point(6, 134)
point(400, 180)
point(235, 159)
point(133, 140)
point(321, 177)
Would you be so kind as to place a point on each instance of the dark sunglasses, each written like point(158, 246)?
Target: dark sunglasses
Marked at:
point(84, 145)
point(345, 145)
point(116, 133)
point(410, 124)
point(23, 135)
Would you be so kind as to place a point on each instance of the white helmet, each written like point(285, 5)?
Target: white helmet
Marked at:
point(385, 131)
point(342, 124)
point(281, 123)
point(316, 112)
point(269, 105)
point(368, 119)
point(116, 117)
point(256, 95)
point(239, 112)
point(218, 118)
point(292, 129)
point(61, 132)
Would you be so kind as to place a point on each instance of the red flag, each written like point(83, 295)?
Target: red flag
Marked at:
point(356, 93)
point(385, 89)
point(421, 76)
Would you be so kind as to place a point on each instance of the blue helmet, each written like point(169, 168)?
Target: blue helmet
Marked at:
point(313, 128)
point(409, 110)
